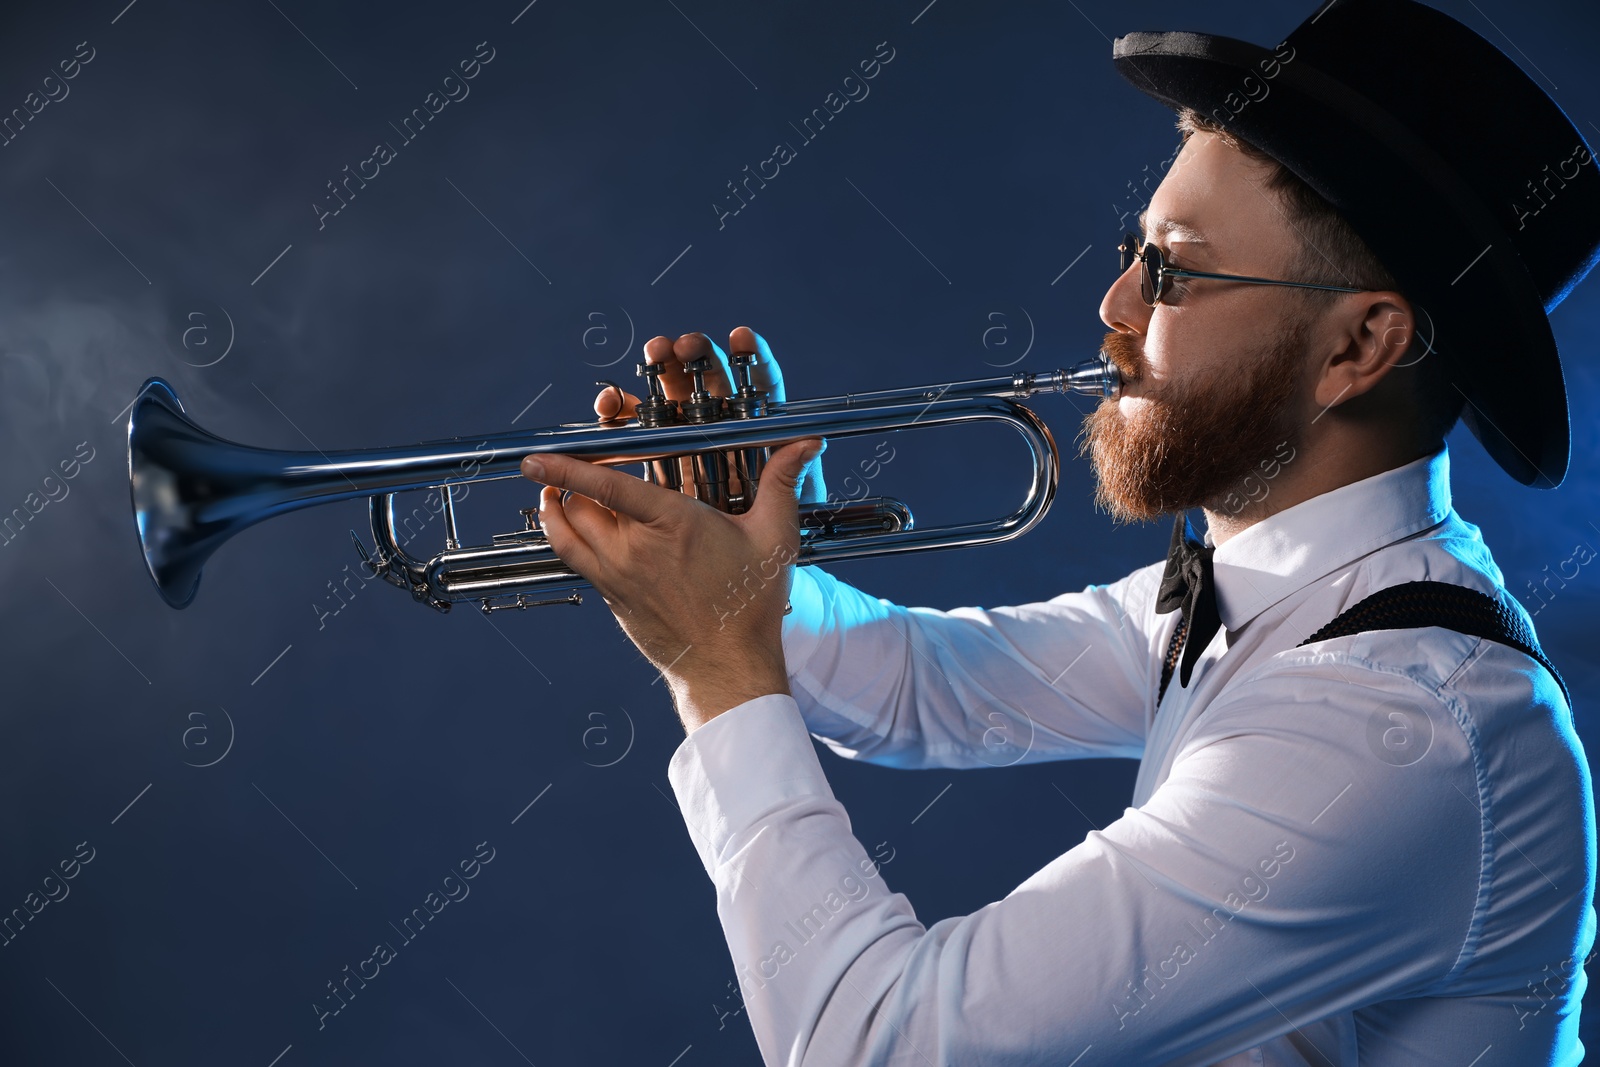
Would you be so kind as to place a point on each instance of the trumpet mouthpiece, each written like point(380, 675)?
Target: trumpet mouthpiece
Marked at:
point(1095, 376)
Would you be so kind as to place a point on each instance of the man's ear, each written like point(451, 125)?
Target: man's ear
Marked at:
point(1377, 330)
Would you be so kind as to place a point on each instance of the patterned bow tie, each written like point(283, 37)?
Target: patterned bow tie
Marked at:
point(1188, 583)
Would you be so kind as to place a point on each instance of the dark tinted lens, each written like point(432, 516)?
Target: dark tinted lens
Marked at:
point(1149, 277)
point(1149, 269)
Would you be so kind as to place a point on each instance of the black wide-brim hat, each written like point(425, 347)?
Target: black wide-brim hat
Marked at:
point(1465, 179)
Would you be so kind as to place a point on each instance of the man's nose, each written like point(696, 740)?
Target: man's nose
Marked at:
point(1123, 308)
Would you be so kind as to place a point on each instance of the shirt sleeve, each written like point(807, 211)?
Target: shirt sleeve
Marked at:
point(1291, 867)
point(1067, 678)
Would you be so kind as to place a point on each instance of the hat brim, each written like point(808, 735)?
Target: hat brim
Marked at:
point(1486, 311)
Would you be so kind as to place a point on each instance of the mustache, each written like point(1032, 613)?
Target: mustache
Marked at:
point(1119, 349)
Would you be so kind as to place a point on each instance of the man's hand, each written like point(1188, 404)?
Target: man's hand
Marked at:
point(700, 592)
point(677, 382)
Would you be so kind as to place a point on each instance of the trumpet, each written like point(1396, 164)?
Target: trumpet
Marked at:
point(192, 490)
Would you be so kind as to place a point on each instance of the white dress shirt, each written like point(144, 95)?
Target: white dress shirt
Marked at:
point(1373, 850)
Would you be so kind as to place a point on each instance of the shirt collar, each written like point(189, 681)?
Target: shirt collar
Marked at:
point(1265, 562)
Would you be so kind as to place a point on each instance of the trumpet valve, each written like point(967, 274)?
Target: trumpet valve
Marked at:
point(711, 479)
point(710, 467)
point(655, 409)
point(702, 406)
point(748, 401)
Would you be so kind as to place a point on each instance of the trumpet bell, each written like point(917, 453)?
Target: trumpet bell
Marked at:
point(187, 498)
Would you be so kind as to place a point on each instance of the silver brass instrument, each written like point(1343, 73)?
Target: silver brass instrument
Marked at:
point(193, 490)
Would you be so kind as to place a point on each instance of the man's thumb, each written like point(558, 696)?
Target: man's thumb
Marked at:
point(782, 473)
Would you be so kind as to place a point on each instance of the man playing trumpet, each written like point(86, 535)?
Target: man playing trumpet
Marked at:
point(1354, 838)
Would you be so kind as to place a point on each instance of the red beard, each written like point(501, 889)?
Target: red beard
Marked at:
point(1194, 442)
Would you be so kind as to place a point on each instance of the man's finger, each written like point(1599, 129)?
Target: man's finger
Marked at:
point(567, 543)
point(622, 493)
point(766, 374)
point(693, 346)
point(675, 381)
point(595, 524)
point(615, 403)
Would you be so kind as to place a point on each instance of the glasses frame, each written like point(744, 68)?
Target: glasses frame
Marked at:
point(1156, 272)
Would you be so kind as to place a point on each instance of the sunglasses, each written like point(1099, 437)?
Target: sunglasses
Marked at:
point(1153, 278)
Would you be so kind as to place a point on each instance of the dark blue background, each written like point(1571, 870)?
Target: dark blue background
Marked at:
point(508, 254)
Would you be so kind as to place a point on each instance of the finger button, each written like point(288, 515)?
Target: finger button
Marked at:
point(702, 406)
point(655, 409)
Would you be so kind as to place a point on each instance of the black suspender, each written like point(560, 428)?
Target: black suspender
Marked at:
point(1414, 604)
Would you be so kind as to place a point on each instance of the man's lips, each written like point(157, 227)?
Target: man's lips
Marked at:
point(1126, 366)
